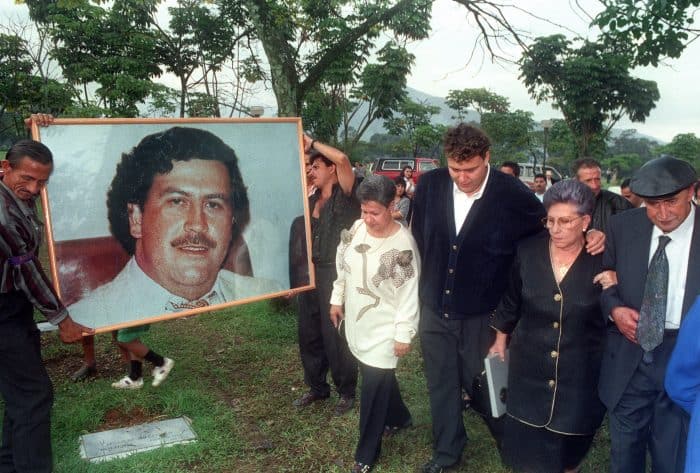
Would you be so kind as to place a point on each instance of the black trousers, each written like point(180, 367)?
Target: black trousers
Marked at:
point(453, 354)
point(380, 405)
point(320, 344)
point(645, 417)
point(26, 389)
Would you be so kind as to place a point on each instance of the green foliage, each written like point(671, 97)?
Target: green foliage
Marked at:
point(683, 146)
point(108, 45)
point(323, 113)
point(23, 90)
point(511, 134)
point(312, 43)
point(163, 101)
point(481, 100)
point(380, 91)
point(412, 124)
point(202, 105)
point(625, 164)
point(590, 85)
point(648, 30)
point(627, 143)
point(202, 39)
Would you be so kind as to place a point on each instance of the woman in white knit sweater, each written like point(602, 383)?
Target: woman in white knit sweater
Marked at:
point(376, 299)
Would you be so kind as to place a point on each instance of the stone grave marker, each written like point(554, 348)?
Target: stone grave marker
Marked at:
point(120, 443)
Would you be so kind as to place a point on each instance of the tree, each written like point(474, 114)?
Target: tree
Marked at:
point(627, 142)
point(111, 47)
point(413, 125)
point(306, 41)
point(590, 85)
point(649, 30)
point(683, 146)
point(625, 163)
point(199, 42)
point(511, 134)
point(381, 89)
point(481, 100)
point(23, 90)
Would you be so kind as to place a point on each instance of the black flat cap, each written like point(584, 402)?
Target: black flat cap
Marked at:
point(662, 177)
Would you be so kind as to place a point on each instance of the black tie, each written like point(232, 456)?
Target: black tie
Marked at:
point(652, 314)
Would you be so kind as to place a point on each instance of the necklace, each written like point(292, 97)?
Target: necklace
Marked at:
point(561, 266)
point(372, 239)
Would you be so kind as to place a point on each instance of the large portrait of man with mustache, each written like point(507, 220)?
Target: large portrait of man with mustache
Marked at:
point(175, 204)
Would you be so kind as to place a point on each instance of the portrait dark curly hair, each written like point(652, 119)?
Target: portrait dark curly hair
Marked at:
point(155, 154)
point(465, 141)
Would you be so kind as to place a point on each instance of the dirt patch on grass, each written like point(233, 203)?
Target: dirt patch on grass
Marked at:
point(117, 418)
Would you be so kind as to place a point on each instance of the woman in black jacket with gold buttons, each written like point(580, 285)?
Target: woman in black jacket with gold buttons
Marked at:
point(552, 312)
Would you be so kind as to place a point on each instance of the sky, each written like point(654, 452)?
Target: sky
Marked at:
point(442, 63)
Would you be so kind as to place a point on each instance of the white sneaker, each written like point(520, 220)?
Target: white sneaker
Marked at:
point(162, 372)
point(128, 383)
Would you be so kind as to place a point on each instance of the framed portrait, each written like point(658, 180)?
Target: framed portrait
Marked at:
point(153, 219)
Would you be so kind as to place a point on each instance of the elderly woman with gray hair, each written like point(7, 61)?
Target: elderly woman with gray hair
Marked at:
point(551, 312)
point(376, 295)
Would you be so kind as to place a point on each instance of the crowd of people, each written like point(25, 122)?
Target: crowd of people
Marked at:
point(589, 296)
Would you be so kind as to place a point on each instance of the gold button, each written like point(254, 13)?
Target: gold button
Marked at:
point(447, 291)
point(554, 354)
point(555, 325)
point(557, 297)
point(552, 383)
point(454, 247)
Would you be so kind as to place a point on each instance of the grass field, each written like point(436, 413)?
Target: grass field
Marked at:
point(236, 375)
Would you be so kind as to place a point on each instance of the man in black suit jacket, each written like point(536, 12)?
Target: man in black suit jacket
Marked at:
point(467, 221)
point(632, 380)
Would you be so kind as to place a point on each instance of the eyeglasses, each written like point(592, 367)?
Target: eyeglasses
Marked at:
point(563, 222)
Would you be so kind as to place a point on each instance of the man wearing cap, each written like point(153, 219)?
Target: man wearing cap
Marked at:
point(655, 251)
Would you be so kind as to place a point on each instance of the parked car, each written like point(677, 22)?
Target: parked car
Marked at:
point(391, 167)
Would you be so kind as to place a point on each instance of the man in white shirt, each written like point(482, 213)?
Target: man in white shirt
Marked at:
point(175, 204)
point(655, 251)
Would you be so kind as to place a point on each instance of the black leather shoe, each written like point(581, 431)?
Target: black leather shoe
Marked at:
point(390, 430)
point(361, 468)
point(345, 404)
point(432, 467)
point(308, 399)
point(83, 373)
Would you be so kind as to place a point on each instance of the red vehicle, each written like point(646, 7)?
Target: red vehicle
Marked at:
point(391, 167)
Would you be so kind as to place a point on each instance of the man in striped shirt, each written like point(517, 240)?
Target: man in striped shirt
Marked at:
point(24, 384)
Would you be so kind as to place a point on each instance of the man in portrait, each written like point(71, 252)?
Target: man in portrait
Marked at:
point(175, 205)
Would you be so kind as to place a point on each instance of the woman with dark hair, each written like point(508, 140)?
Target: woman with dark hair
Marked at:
point(376, 295)
point(401, 204)
point(407, 176)
point(551, 311)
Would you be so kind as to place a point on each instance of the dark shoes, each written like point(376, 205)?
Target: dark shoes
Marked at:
point(361, 468)
point(308, 399)
point(391, 430)
point(432, 467)
point(84, 373)
point(345, 404)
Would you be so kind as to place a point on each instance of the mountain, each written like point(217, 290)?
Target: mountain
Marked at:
point(446, 113)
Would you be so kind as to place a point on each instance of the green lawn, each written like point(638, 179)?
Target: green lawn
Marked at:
point(236, 375)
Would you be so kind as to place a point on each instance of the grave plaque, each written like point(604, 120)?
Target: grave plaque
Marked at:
point(119, 443)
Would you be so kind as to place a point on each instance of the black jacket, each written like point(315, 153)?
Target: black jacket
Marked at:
point(464, 274)
point(607, 204)
point(558, 337)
